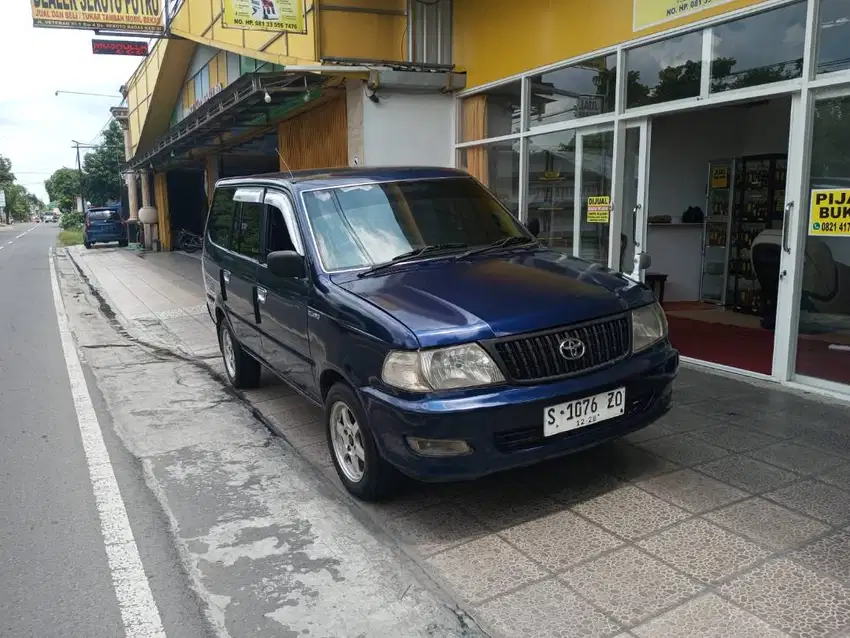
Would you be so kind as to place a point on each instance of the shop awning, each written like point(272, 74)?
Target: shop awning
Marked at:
point(237, 109)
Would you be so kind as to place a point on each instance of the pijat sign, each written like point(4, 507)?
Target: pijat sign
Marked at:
point(829, 213)
point(648, 13)
point(113, 15)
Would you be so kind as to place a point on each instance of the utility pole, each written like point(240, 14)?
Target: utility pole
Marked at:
point(78, 145)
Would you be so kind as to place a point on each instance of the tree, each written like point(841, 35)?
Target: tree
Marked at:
point(19, 202)
point(102, 165)
point(6, 175)
point(63, 187)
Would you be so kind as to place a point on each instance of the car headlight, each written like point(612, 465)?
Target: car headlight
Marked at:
point(649, 326)
point(463, 366)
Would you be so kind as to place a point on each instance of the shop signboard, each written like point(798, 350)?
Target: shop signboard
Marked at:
point(829, 213)
point(598, 209)
point(119, 47)
point(144, 16)
point(649, 13)
point(264, 15)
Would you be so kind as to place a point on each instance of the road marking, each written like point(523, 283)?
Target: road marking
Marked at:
point(23, 233)
point(135, 600)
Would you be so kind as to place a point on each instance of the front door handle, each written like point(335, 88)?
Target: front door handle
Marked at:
point(261, 294)
point(226, 275)
point(785, 221)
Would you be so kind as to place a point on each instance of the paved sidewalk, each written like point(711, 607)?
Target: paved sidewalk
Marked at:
point(729, 517)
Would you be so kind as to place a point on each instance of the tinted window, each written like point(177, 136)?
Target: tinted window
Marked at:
point(278, 237)
point(664, 71)
point(103, 215)
point(582, 90)
point(220, 223)
point(247, 239)
point(365, 225)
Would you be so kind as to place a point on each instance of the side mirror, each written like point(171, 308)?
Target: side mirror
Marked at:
point(534, 226)
point(286, 263)
point(644, 261)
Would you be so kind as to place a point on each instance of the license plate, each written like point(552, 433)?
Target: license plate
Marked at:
point(581, 412)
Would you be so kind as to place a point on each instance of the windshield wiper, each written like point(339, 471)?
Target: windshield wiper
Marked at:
point(502, 243)
point(413, 254)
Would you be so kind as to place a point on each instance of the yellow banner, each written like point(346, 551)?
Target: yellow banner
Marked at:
point(598, 210)
point(264, 15)
point(114, 15)
point(648, 13)
point(829, 213)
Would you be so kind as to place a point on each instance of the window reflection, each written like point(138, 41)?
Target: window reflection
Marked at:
point(581, 90)
point(496, 165)
point(761, 49)
point(664, 71)
point(551, 187)
point(493, 113)
point(834, 36)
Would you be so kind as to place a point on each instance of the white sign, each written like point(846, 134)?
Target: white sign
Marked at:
point(2, 199)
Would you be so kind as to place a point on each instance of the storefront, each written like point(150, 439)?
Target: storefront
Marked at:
point(705, 154)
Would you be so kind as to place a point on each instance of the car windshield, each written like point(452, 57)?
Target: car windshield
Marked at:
point(366, 225)
point(104, 215)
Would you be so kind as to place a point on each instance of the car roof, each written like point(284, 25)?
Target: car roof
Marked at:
point(335, 177)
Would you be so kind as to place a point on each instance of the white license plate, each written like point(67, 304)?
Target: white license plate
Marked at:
point(581, 412)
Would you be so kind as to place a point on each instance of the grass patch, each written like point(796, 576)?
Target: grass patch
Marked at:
point(71, 237)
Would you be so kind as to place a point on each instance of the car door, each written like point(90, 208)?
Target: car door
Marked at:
point(217, 258)
point(242, 287)
point(284, 300)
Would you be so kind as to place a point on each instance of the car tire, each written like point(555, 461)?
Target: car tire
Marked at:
point(87, 244)
point(242, 369)
point(370, 478)
point(122, 243)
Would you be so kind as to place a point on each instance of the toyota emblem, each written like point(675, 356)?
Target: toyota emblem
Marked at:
point(572, 349)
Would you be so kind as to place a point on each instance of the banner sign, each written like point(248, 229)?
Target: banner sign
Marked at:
point(598, 210)
point(720, 177)
point(829, 213)
point(648, 13)
point(264, 15)
point(113, 15)
point(119, 47)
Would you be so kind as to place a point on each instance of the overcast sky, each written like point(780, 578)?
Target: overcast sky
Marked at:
point(36, 126)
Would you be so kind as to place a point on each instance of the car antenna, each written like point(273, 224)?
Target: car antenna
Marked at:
point(280, 155)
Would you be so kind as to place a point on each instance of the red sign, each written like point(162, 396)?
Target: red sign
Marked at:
point(119, 47)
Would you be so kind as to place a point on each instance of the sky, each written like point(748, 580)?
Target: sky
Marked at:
point(37, 126)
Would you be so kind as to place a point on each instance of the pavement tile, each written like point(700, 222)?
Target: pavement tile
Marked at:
point(631, 463)
point(580, 491)
point(500, 504)
point(684, 449)
point(839, 476)
point(630, 512)
point(708, 616)
point(735, 439)
point(680, 419)
point(748, 474)
point(734, 411)
point(436, 528)
point(691, 490)
point(304, 436)
point(560, 540)
point(650, 432)
point(767, 523)
point(818, 500)
point(797, 458)
point(829, 554)
point(792, 598)
point(630, 585)
point(703, 550)
point(834, 440)
point(547, 609)
point(485, 568)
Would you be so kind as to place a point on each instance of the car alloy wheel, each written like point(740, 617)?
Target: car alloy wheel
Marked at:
point(228, 353)
point(347, 440)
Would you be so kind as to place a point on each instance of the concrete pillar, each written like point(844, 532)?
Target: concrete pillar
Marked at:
point(147, 213)
point(132, 196)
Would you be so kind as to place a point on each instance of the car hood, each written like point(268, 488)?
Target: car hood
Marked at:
point(447, 300)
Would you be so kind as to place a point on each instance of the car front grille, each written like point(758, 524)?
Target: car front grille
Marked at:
point(537, 357)
point(532, 436)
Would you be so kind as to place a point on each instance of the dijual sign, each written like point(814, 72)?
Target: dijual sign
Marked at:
point(114, 15)
point(648, 13)
point(264, 15)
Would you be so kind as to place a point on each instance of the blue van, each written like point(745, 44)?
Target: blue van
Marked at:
point(104, 225)
point(442, 339)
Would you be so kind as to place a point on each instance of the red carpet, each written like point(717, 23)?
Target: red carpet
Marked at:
point(752, 349)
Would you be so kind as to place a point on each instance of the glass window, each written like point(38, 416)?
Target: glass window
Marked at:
point(834, 36)
point(220, 222)
point(278, 236)
point(581, 90)
point(493, 113)
point(551, 187)
point(823, 345)
point(496, 165)
point(366, 225)
point(761, 49)
point(104, 215)
point(597, 162)
point(664, 71)
point(247, 239)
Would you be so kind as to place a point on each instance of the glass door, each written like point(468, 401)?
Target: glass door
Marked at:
point(821, 296)
point(592, 202)
point(634, 254)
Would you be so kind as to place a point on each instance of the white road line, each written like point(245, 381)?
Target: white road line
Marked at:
point(23, 233)
point(135, 599)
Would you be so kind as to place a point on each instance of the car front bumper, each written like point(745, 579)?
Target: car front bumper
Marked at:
point(504, 425)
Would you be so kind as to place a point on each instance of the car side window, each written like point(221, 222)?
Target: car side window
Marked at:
point(278, 237)
point(247, 237)
point(222, 213)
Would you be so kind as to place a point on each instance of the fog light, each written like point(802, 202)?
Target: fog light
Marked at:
point(438, 447)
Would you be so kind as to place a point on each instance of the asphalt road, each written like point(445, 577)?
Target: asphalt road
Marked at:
point(54, 575)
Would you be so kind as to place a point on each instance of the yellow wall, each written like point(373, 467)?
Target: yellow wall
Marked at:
point(493, 39)
point(361, 35)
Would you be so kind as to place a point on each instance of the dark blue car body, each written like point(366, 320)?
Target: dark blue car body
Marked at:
point(103, 226)
point(516, 303)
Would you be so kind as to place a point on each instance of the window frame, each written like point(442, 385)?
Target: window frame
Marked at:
point(235, 250)
point(272, 198)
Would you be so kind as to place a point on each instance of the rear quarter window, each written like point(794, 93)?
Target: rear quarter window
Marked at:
point(220, 222)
